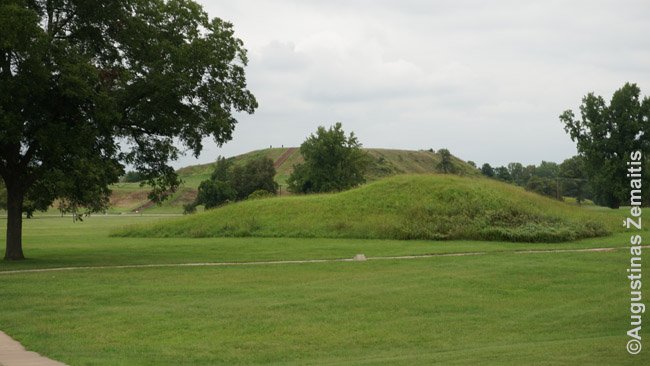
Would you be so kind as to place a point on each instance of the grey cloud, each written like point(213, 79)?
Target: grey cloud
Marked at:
point(485, 79)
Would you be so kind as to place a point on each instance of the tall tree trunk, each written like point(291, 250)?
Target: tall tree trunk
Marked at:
point(14, 249)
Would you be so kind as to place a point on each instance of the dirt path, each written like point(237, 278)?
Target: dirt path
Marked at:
point(13, 353)
point(259, 263)
point(285, 155)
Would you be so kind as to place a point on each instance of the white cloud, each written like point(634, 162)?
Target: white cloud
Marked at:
point(485, 79)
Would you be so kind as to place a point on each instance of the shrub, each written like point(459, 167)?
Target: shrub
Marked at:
point(234, 183)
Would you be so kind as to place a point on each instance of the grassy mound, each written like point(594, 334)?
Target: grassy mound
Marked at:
point(129, 197)
point(403, 207)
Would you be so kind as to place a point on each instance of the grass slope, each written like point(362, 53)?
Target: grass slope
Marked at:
point(128, 197)
point(402, 207)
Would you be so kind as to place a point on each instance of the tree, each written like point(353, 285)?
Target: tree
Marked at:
point(257, 174)
point(89, 86)
point(333, 162)
point(503, 174)
point(446, 164)
point(517, 173)
point(606, 135)
point(487, 170)
point(132, 177)
point(472, 164)
point(544, 186)
point(234, 183)
point(573, 178)
point(213, 193)
point(529, 172)
point(547, 169)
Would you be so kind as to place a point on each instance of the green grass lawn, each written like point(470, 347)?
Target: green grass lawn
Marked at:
point(52, 241)
point(498, 308)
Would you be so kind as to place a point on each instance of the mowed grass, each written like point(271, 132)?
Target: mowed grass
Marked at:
point(500, 308)
point(403, 207)
point(54, 241)
point(504, 309)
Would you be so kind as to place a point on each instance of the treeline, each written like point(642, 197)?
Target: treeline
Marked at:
point(606, 135)
point(567, 179)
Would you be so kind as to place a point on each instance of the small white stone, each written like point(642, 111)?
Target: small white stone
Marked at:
point(359, 257)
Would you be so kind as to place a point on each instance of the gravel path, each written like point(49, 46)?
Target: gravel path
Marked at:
point(223, 264)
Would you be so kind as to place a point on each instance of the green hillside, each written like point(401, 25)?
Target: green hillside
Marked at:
point(403, 207)
point(385, 162)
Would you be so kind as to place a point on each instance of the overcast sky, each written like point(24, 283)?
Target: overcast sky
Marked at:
point(485, 79)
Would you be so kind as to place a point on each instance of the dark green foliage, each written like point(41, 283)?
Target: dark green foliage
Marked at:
point(487, 170)
point(301, 180)
point(606, 135)
point(472, 164)
point(189, 208)
point(547, 169)
point(518, 174)
point(257, 174)
point(132, 177)
point(333, 162)
point(233, 183)
point(521, 174)
point(222, 169)
point(503, 174)
point(544, 186)
point(446, 164)
point(89, 86)
point(574, 179)
point(213, 193)
point(548, 178)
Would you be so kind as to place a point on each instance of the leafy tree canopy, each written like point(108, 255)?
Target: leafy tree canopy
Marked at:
point(88, 86)
point(446, 164)
point(333, 162)
point(548, 178)
point(487, 170)
point(606, 134)
point(502, 173)
point(234, 183)
point(257, 174)
point(574, 178)
point(544, 186)
point(132, 177)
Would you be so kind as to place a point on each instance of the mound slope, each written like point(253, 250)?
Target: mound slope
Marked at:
point(384, 162)
point(435, 207)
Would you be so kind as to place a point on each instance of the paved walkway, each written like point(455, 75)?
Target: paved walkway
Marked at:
point(13, 353)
